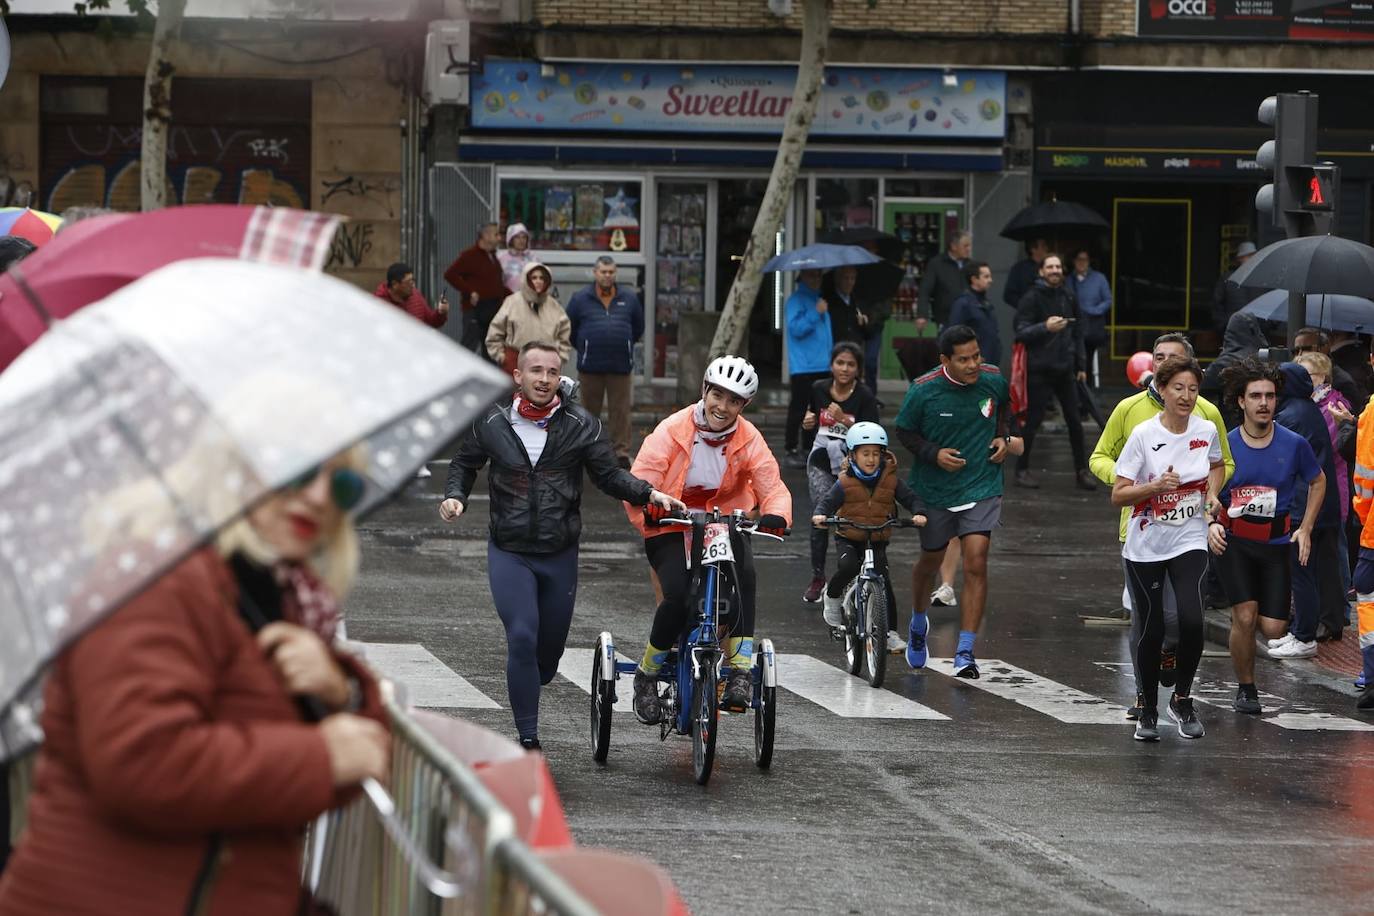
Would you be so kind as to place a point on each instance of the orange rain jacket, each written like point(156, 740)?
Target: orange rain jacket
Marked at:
point(1363, 495)
point(751, 480)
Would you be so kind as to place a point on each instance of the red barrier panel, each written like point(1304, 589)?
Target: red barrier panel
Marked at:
point(616, 884)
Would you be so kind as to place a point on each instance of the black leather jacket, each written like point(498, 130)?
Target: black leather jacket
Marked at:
point(536, 509)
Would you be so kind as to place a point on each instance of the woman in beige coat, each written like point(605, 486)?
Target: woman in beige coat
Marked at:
point(530, 314)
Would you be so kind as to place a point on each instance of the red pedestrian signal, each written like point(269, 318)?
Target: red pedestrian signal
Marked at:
point(1314, 193)
point(1322, 183)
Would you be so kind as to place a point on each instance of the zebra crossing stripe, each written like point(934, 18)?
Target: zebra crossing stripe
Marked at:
point(1058, 701)
point(576, 666)
point(427, 680)
point(844, 694)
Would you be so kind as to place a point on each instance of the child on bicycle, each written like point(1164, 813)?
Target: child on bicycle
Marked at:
point(867, 492)
point(710, 457)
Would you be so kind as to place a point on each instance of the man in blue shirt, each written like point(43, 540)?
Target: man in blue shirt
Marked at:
point(808, 357)
point(1250, 533)
point(1094, 297)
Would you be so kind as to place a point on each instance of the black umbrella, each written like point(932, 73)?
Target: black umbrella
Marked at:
point(1052, 218)
point(1315, 264)
point(888, 245)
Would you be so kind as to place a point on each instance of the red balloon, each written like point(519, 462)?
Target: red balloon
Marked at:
point(1139, 368)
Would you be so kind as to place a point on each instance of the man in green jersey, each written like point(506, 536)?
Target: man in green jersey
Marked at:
point(955, 421)
point(1126, 416)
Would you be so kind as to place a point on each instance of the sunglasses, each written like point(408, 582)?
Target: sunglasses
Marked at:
point(346, 486)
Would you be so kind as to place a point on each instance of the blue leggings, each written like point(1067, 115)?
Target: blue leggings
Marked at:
point(534, 595)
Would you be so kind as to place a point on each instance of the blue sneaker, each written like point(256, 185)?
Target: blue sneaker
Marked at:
point(916, 653)
point(965, 666)
point(1360, 681)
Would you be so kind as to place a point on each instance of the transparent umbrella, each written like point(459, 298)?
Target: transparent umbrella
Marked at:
point(135, 430)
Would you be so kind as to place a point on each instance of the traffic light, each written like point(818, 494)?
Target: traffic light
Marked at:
point(1303, 196)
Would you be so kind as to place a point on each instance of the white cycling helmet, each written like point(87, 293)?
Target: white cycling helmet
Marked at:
point(865, 433)
point(734, 374)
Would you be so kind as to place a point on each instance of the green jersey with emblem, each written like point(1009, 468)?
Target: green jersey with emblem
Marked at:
point(948, 414)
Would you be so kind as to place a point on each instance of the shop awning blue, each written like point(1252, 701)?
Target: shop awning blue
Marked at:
point(475, 148)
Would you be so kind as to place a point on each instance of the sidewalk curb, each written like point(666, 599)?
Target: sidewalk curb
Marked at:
point(1216, 628)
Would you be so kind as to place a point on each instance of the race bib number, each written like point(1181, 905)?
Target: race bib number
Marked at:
point(1176, 507)
point(1254, 501)
point(715, 545)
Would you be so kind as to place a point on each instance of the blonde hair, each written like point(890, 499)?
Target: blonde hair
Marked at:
point(1315, 362)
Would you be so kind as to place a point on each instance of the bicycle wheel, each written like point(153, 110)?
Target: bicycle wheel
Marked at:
point(705, 713)
point(875, 633)
point(853, 631)
point(603, 694)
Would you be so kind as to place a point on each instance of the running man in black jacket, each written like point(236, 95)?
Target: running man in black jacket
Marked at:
point(538, 446)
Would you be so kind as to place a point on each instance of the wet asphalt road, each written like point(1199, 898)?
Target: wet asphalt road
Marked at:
point(988, 803)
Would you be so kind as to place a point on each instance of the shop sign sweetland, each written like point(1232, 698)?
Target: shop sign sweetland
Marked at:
point(671, 98)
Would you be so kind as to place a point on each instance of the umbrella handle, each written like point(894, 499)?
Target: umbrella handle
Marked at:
point(34, 299)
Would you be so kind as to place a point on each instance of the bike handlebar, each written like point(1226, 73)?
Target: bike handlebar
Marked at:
point(739, 522)
point(837, 521)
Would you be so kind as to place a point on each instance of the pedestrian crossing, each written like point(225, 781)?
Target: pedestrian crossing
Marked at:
point(431, 683)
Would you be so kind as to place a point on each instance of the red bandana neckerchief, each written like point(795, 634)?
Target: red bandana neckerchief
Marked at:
point(539, 416)
point(306, 600)
point(708, 436)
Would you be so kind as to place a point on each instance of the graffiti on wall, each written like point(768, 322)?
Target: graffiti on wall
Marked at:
point(98, 165)
point(351, 245)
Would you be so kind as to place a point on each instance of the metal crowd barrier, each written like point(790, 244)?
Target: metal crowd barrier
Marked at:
point(438, 843)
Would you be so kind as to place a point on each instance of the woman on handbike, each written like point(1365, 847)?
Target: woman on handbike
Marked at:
point(709, 457)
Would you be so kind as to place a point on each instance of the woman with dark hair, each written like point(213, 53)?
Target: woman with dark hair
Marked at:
point(836, 403)
point(1169, 472)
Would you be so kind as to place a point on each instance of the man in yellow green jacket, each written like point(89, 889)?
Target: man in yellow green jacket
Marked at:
point(1126, 416)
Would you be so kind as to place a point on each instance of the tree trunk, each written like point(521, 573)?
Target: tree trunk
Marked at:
point(157, 103)
point(734, 320)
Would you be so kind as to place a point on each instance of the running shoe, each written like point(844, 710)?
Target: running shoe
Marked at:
point(1360, 682)
point(1181, 711)
point(834, 611)
point(916, 652)
point(1247, 700)
point(1024, 479)
point(739, 688)
point(813, 591)
point(648, 706)
point(1134, 711)
point(1282, 640)
point(944, 597)
point(1084, 480)
point(531, 744)
point(895, 643)
point(793, 460)
point(1147, 726)
point(1168, 668)
point(1295, 648)
point(965, 666)
point(1366, 699)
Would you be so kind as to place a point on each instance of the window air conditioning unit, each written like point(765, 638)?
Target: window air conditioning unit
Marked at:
point(447, 61)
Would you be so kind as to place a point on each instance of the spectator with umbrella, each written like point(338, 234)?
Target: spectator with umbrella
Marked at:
point(944, 280)
point(1041, 226)
point(197, 470)
point(874, 287)
point(35, 225)
point(1227, 296)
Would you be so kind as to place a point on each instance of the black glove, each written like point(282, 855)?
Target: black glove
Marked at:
point(773, 524)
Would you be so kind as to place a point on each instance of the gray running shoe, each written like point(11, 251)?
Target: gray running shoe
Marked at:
point(648, 707)
point(739, 689)
point(1147, 726)
point(1247, 700)
point(1181, 711)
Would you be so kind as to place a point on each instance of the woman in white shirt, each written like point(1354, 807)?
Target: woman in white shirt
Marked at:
point(1169, 472)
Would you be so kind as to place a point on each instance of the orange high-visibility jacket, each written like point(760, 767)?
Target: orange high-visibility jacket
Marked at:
point(751, 480)
point(1363, 494)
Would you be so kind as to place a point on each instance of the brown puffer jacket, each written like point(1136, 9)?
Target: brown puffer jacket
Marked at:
point(869, 506)
point(528, 316)
point(166, 727)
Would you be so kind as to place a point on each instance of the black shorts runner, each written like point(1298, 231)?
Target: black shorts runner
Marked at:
point(1257, 571)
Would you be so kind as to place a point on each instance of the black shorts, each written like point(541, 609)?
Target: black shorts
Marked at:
point(1257, 571)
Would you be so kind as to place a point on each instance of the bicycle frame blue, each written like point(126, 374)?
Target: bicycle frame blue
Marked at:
point(697, 647)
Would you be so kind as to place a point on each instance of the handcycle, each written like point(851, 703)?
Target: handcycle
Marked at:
point(689, 681)
point(864, 607)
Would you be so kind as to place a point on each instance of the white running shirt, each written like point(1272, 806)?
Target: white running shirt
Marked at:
point(1170, 523)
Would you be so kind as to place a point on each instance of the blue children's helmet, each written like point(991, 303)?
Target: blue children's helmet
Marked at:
point(865, 433)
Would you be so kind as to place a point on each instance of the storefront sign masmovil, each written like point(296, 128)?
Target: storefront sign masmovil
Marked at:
point(675, 98)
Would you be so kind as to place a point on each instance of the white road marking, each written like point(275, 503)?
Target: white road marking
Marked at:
point(844, 694)
point(1058, 701)
point(576, 666)
point(1277, 711)
point(428, 681)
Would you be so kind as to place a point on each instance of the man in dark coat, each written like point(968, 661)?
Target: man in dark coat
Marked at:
point(944, 281)
point(974, 310)
point(1047, 323)
point(837, 289)
point(1351, 352)
point(1024, 272)
point(607, 320)
point(476, 275)
point(1229, 298)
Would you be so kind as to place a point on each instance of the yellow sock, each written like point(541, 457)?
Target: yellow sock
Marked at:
point(653, 659)
point(739, 652)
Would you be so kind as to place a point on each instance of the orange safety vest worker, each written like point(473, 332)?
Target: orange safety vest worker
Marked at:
point(1364, 569)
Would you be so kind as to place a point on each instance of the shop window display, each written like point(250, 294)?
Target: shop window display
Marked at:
point(574, 215)
point(845, 203)
point(680, 266)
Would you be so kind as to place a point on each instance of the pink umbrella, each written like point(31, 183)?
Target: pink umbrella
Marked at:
point(91, 259)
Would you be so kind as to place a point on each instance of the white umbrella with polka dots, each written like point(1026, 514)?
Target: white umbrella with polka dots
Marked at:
point(135, 430)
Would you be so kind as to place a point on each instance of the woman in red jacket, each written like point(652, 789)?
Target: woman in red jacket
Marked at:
point(177, 773)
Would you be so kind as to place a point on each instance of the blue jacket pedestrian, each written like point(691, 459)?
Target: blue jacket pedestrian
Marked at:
point(1093, 292)
point(974, 309)
point(808, 331)
point(605, 326)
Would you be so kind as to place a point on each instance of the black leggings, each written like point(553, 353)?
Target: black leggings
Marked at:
point(1186, 573)
point(849, 558)
point(797, 404)
point(667, 557)
point(1040, 387)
